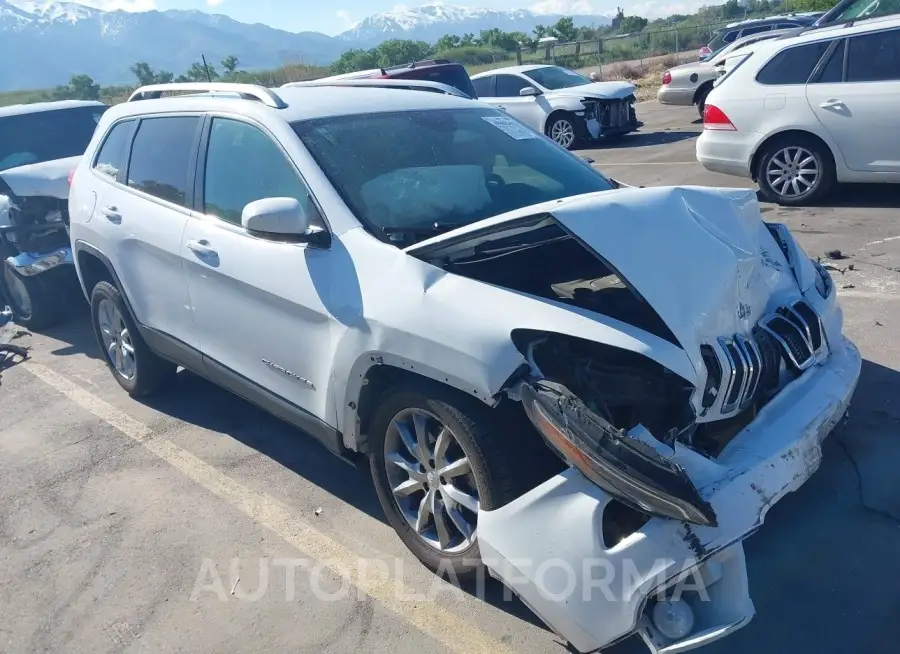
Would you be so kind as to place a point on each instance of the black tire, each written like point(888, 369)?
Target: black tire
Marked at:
point(151, 372)
point(44, 304)
point(822, 185)
point(560, 119)
point(483, 433)
point(701, 99)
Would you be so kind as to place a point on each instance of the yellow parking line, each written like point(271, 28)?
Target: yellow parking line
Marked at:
point(444, 626)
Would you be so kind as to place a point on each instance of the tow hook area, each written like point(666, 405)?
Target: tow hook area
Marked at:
point(632, 466)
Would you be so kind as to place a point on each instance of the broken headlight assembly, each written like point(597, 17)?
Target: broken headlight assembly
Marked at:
point(600, 420)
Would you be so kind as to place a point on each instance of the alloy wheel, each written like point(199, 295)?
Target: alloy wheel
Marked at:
point(431, 480)
point(792, 172)
point(563, 132)
point(117, 341)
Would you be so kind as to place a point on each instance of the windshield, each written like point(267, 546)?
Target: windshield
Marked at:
point(554, 77)
point(411, 174)
point(46, 135)
point(863, 9)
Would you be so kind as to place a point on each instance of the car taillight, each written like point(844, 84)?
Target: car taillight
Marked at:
point(667, 78)
point(705, 50)
point(715, 118)
point(71, 177)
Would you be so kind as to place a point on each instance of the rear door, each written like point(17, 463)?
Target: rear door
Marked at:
point(856, 98)
point(142, 212)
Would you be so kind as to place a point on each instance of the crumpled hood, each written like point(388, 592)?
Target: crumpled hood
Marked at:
point(702, 257)
point(48, 179)
point(607, 90)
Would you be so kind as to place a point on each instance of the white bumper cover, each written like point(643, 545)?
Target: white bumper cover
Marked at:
point(548, 545)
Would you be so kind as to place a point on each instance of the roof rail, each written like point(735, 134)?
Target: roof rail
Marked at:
point(407, 84)
point(246, 91)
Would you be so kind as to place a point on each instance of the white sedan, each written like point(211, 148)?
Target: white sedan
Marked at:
point(565, 105)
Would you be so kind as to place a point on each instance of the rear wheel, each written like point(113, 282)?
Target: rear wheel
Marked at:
point(701, 99)
point(795, 171)
point(134, 366)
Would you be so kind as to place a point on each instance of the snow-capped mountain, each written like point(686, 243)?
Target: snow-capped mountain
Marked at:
point(45, 42)
point(431, 22)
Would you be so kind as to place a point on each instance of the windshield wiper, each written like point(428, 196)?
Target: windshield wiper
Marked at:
point(418, 233)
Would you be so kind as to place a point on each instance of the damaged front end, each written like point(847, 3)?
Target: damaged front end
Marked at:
point(580, 425)
point(672, 461)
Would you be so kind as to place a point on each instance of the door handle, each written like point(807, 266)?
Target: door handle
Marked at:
point(202, 249)
point(831, 104)
point(111, 214)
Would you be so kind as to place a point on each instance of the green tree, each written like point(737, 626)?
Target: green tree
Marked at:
point(397, 51)
point(230, 64)
point(810, 5)
point(199, 73)
point(354, 60)
point(631, 24)
point(447, 42)
point(564, 29)
point(83, 87)
point(146, 75)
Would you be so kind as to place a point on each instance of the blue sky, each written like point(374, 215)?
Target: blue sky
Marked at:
point(335, 16)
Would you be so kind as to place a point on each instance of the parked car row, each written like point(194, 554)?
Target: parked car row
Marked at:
point(565, 105)
point(811, 108)
point(478, 315)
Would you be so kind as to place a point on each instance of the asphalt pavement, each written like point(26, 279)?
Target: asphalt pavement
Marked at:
point(195, 522)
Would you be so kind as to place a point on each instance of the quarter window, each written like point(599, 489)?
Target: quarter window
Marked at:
point(161, 156)
point(833, 73)
point(874, 57)
point(244, 165)
point(484, 86)
point(111, 156)
point(793, 65)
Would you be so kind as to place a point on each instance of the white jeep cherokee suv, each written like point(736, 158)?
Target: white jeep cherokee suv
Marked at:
point(422, 281)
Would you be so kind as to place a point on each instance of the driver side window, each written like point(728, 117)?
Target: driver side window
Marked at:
point(508, 86)
point(243, 164)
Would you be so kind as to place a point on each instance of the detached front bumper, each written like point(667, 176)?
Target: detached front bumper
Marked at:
point(548, 545)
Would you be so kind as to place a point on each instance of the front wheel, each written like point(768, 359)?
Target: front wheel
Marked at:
point(437, 458)
point(562, 130)
point(795, 171)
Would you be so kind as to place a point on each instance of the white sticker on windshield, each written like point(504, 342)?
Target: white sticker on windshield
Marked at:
point(511, 127)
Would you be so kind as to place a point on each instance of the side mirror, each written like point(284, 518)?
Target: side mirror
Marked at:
point(529, 91)
point(280, 217)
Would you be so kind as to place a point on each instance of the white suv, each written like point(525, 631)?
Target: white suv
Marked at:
point(421, 281)
point(802, 113)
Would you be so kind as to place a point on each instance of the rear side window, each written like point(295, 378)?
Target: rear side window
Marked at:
point(793, 65)
point(729, 37)
point(161, 156)
point(833, 73)
point(756, 30)
point(111, 157)
point(484, 87)
point(874, 57)
point(452, 75)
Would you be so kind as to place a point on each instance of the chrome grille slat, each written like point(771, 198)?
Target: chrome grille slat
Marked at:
point(799, 337)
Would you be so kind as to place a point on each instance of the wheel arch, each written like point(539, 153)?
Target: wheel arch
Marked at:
point(374, 373)
point(785, 134)
point(92, 266)
point(558, 113)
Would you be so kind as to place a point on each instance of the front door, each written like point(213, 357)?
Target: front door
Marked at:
point(257, 301)
point(858, 107)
